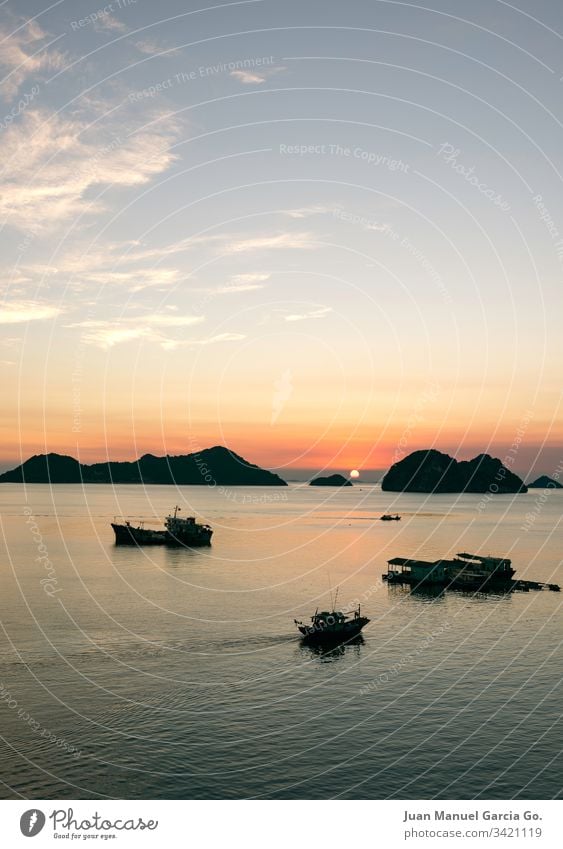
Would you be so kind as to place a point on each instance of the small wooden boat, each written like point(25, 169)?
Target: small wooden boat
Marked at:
point(332, 627)
point(387, 517)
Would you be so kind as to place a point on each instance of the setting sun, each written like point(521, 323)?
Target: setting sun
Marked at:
point(354, 473)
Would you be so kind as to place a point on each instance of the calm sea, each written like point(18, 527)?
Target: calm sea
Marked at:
point(161, 673)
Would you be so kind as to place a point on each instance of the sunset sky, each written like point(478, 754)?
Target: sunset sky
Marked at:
point(314, 234)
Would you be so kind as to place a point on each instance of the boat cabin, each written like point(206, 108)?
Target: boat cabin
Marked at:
point(326, 618)
point(480, 565)
point(417, 570)
point(465, 570)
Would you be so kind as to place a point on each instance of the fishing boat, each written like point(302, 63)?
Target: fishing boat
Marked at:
point(177, 532)
point(387, 517)
point(332, 626)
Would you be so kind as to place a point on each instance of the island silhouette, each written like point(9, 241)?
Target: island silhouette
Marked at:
point(431, 471)
point(544, 482)
point(331, 480)
point(425, 471)
point(208, 467)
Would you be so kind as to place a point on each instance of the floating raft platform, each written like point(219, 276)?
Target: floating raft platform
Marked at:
point(471, 572)
point(526, 586)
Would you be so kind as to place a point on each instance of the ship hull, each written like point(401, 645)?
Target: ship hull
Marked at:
point(128, 535)
point(491, 582)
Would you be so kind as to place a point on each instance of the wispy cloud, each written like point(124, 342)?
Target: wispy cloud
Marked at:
point(172, 320)
point(26, 53)
point(110, 23)
point(121, 264)
point(210, 340)
point(248, 78)
point(244, 283)
point(152, 48)
point(235, 243)
point(109, 335)
point(220, 337)
point(17, 283)
point(219, 243)
point(256, 77)
point(52, 161)
point(279, 241)
point(152, 328)
point(131, 278)
point(20, 311)
point(135, 266)
point(320, 312)
point(307, 211)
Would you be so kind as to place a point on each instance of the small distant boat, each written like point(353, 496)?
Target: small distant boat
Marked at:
point(387, 517)
point(177, 532)
point(332, 627)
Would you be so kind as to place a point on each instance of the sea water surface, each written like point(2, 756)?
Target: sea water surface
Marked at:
point(171, 673)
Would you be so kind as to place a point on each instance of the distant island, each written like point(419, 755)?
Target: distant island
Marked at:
point(208, 467)
point(543, 482)
point(331, 480)
point(432, 471)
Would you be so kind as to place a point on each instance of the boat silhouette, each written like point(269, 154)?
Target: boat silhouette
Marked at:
point(177, 532)
point(332, 627)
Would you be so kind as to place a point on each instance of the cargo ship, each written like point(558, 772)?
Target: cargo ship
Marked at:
point(177, 532)
point(465, 572)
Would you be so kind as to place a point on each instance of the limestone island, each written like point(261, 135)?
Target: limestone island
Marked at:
point(331, 480)
point(432, 471)
point(208, 467)
point(543, 482)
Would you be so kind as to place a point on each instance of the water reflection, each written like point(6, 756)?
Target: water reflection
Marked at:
point(178, 556)
point(332, 652)
point(429, 593)
point(432, 594)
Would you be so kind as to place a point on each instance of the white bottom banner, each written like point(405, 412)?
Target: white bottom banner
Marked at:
point(278, 824)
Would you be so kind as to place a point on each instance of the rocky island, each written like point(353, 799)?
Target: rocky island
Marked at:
point(210, 466)
point(432, 471)
point(331, 480)
point(543, 482)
